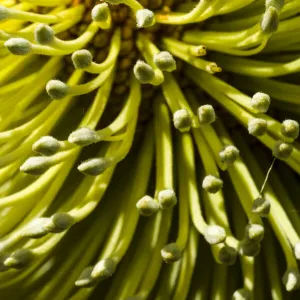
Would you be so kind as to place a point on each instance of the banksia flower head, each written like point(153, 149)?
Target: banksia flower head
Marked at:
point(146, 143)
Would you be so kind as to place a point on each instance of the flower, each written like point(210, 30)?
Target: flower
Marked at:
point(146, 143)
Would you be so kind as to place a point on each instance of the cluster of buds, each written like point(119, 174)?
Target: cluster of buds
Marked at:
point(161, 149)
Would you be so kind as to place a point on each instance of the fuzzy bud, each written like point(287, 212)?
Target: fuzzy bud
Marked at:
point(100, 12)
point(36, 165)
point(167, 198)
point(82, 59)
point(143, 72)
point(19, 259)
point(182, 120)
point(83, 137)
point(171, 253)
point(147, 206)
point(214, 234)
point(261, 206)
point(4, 13)
point(227, 255)
point(260, 102)
point(249, 248)
point(257, 126)
point(290, 129)
point(206, 114)
point(57, 89)
point(282, 150)
point(59, 222)
point(270, 20)
point(254, 232)
point(94, 166)
point(144, 18)
point(43, 34)
point(165, 61)
point(229, 154)
point(291, 279)
point(212, 184)
point(46, 145)
point(18, 46)
point(104, 269)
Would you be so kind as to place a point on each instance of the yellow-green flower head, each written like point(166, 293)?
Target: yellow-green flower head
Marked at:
point(146, 143)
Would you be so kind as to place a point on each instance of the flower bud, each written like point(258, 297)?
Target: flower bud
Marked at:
point(143, 72)
point(57, 89)
point(242, 294)
point(147, 206)
point(282, 150)
point(182, 120)
point(43, 34)
point(94, 166)
point(46, 145)
point(214, 234)
point(59, 222)
point(227, 255)
point(144, 18)
point(254, 232)
point(100, 12)
point(82, 58)
point(260, 102)
point(85, 279)
point(171, 253)
point(19, 259)
point(165, 61)
point(35, 229)
point(18, 46)
point(278, 4)
point(4, 13)
point(167, 198)
point(36, 165)
point(257, 127)
point(229, 154)
point(83, 137)
point(290, 129)
point(270, 20)
point(104, 269)
point(206, 114)
point(212, 184)
point(261, 206)
point(249, 248)
point(291, 279)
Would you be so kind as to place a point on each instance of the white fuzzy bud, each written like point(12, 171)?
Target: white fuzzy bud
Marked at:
point(171, 253)
point(83, 136)
point(43, 34)
point(94, 166)
point(18, 46)
point(147, 206)
point(212, 184)
point(144, 18)
point(57, 89)
point(214, 234)
point(165, 61)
